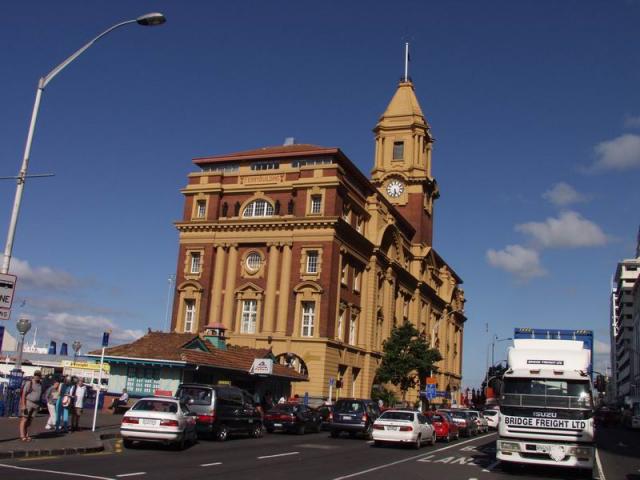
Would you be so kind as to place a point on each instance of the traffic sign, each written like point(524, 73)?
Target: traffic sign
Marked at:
point(431, 391)
point(331, 380)
point(7, 287)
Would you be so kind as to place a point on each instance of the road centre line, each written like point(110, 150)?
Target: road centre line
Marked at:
point(134, 474)
point(415, 457)
point(599, 465)
point(210, 464)
point(55, 472)
point(278, 455)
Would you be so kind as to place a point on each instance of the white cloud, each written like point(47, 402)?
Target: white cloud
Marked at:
point(88, 329)
point(41, 277)
point(632, 122)
point(569, 230)
point(621, 153)
point(601, 348)
point(563, 194)
point(518, 260)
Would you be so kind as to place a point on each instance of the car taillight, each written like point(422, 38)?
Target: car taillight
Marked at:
point(330, 418)
point(131, 420)
point(169, 423)
point(284, 416)
point(463, 423)
point(378, 427)
point(207, 418)
point(406, 429)
point(364, 417)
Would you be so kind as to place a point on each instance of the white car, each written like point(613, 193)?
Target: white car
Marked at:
point(493, 418)
point(159, 419)
point(635, 422)
point(483, 424)
point(403, 426)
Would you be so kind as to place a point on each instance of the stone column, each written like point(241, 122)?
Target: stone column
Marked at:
point(216, 289)
point(229, 297)
point(367, 308)
point(285, 290)
point(270, 294)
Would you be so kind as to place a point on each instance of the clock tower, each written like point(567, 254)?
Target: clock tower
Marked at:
point(402, 170)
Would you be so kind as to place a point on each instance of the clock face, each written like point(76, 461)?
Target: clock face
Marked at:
point(395, 188)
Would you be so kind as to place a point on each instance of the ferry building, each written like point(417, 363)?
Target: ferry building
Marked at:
point(293, 248)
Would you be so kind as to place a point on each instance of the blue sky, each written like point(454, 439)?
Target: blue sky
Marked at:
point(534, 106)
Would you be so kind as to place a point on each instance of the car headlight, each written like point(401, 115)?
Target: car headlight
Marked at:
point(509, 446)
point(580, 451)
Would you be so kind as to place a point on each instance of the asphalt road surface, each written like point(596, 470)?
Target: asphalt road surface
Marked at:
point(286, 456)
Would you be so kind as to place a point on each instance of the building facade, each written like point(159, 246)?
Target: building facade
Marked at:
point(625, 330)
point(293, 248)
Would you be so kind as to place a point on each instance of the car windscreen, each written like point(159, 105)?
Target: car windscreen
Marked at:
point(349, 407)
point(459, 415)
point(397, 416)
point(156, 406)
point(490, 413)
point(438, 418)
point(195, 395)
point(284, 408)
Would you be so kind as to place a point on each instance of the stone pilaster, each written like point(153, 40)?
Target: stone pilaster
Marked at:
point(216, 289)
point(270, 294)
point(285, 290)
point(227, 307)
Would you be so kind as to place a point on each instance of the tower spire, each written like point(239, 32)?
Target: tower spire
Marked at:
point(406, 61)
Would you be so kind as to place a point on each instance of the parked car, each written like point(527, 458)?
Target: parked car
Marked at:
point(464, 421)
point(222, 410)
point(353, 415)
point(493, 418)
point(325, 412)
point(481, 422)
point(156, 419)
point(293, 417)
point(403, 426)
point(445, 427)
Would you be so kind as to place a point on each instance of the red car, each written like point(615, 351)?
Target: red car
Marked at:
point(444, 426)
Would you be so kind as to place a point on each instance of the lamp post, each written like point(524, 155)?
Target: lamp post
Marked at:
point(76, 345)
point(493, 346)
point(150, 19)
point(23, 326)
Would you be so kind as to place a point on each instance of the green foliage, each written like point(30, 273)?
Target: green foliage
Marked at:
point(407, 358)
point(378, 392)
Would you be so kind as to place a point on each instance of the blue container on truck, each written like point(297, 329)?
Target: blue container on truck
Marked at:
point(586, 336)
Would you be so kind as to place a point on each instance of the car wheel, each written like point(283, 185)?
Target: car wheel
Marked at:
point(127, 443)
point(318, 426)
point(301, 429)
point(335, 433)
point(418, 443)
point(368, 433)
point(458, 435)
point(222, 434)
point(181, 443)
point(269, 430)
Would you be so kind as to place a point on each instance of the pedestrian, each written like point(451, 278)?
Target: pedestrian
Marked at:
point(78, 392)
point(30, 398)
point(380, 403)
point(63, 405)
point(122, 400)
point(51, 397)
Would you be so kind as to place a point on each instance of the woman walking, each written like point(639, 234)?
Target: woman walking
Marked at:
point(52, 395)
point(62, 406)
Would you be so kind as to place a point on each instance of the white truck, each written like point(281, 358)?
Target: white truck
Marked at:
point(546, 405)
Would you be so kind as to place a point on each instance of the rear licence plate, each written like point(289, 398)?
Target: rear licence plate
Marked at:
point(393, 429)
point(150, 422)
point(542, 448)
point(347, 417)
point(277, 424)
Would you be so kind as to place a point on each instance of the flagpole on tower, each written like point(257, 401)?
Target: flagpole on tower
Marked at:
point(406, 61)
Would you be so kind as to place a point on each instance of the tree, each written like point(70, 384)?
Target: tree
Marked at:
point(407, 359)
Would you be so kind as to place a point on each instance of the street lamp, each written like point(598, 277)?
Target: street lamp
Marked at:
point(23, 326)
point(493, 346)
point(76, 345)
point(150, 19)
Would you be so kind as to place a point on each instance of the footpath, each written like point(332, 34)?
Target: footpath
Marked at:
point(49, 443)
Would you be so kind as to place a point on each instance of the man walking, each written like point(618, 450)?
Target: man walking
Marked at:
point(79, 391)
point(30, 398)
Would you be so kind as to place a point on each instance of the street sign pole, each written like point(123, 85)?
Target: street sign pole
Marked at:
point(105, 342)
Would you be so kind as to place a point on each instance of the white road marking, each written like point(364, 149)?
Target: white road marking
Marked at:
point(55, 472)
point(278, 455)
point(210, 464)
point(491, 467)
point(599, 465)
point(415, 457)
point(134, 474)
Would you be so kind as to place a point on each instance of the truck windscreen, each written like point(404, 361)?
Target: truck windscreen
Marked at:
point(546, 392)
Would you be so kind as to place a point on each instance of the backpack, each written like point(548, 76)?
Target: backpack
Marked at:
point(24, 390)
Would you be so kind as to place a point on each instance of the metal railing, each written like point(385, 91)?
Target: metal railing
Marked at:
point(550, 401)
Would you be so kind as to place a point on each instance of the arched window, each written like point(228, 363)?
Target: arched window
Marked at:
point(258, 208)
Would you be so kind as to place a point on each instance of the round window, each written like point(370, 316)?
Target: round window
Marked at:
point(254, 262)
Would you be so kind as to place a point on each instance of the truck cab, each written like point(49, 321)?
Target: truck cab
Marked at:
point(546, 405)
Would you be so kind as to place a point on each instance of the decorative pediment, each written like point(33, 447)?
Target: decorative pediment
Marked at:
point(308, 285)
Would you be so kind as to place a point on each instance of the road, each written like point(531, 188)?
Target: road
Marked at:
point(285, 456)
